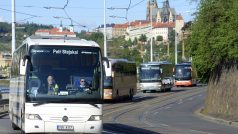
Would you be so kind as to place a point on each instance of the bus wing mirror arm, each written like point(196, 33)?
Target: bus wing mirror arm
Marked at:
point(28, 59)
point(106, 60)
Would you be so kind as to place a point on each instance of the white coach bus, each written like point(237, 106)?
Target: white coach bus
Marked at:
point(33, 108)
point(156, 76)
point(120, 80)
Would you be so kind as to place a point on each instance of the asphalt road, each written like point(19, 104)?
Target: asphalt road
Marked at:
point(163, 113)
point(154, 113)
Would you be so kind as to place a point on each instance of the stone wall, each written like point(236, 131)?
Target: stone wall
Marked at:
point(222, 96)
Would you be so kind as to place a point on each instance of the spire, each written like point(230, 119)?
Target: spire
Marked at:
point(71, 27)
point(61, 26)
point(166, 4)
point(152, 7)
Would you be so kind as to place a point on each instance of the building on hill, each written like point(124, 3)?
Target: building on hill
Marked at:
point(119, 30)
point(109, 30)
point(5, 59)
point(158, 29)
point(56, 32)
point(179, 24)
point(5, 64)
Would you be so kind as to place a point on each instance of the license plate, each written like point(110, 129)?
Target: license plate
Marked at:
point(65, 128)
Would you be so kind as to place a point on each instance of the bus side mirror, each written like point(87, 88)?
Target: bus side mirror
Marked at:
point(23, 64)
point(106, 60)
point(161, 70)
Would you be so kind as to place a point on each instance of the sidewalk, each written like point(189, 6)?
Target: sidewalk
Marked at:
point(215, 120)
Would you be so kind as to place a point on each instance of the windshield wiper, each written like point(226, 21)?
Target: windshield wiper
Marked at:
point(40, 103)
point(95, 105)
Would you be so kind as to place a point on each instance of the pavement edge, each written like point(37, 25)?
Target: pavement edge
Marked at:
point(213, 119)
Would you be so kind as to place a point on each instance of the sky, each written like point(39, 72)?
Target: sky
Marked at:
point(89, 13)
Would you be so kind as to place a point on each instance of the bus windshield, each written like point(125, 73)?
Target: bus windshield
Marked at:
point(183, 72)
point(149, 73)
point(64, 74)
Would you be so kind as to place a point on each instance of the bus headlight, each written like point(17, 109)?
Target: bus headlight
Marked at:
point(95, 118)
point(33, 117)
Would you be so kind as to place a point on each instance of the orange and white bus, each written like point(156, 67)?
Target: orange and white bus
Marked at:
point(185, 75)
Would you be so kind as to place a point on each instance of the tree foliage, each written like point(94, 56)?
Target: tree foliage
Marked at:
point(214, 36)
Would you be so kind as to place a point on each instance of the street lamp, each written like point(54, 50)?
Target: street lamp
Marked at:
point(105, 36)
point(151, 42)
point(176, 47)
point(13, 26)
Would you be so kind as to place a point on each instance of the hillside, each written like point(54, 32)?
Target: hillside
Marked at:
point(22, 31)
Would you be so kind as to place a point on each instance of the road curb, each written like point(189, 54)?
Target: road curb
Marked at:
point(213, 119)
point(2, 114)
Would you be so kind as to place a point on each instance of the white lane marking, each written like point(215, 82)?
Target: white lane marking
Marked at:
point(137, 98)
point(202, 132)
point(180, 102)
point(109, 132)
point(156, 113)
point(167, 108)
point(164, 125)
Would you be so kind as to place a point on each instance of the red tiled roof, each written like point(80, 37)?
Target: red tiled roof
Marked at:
point(163, 25)
point(145, 23)
point(120, 25)
point(55, 31)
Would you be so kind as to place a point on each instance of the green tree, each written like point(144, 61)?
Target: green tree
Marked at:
point(143, 38)
point(214, 49)
point(159, 38)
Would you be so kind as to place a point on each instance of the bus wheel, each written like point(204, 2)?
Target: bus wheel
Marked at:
point(15, 127)
point(169, 90)
point(131, 95)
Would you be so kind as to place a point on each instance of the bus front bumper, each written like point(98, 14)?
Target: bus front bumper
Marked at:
point(150, 86)
point(37, 126)
point(183, 83)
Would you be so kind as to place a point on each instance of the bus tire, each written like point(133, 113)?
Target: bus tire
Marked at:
point(169, 89)
point(14, 126)
point(131, 95)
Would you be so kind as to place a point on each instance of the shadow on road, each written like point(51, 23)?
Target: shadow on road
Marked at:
point(125, 129)
point(177, 90)
point(3, 115)
point(134, 100)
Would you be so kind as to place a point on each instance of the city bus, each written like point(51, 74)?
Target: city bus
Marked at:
point(120, 79)
point(185, 75)
point(155, 76)
point(32, 108)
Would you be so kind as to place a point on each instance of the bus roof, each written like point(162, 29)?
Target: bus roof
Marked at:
point(156, 63)
point(113, 61)
point(184, 64)
point(57, 40)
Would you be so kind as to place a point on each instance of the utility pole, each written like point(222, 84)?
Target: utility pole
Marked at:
point(167, 48)
point(13, 27)
point(151, 37)
point(176, 47)
point(105, 36)
point(183, 48)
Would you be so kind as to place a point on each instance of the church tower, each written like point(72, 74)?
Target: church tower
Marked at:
point(165, 11)
point(152, 7)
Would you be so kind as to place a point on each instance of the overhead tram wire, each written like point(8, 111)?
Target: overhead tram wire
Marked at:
point(66, 13)
point(20, 13)
point(137, 4)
